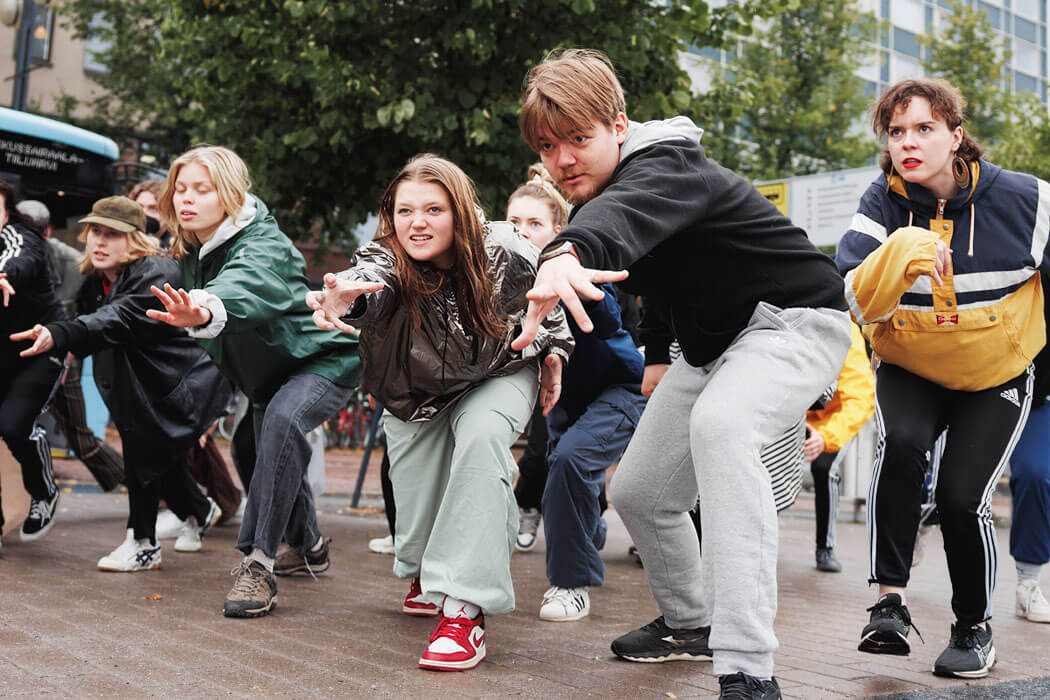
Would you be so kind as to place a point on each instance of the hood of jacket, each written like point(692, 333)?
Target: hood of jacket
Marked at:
point(416, 371)
point(253, 208)
point(641, 135)
point(982, 177)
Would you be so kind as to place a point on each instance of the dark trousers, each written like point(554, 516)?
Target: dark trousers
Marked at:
point(208, 467)
point(242, 448)
point(826, 475)
point(24, 391)
point(280, 503)
point(388, 492)
point(67, 407)
point(983, 428)
point(173, 483)
point(1030, 486)
point(532, 467)
point(581, 449)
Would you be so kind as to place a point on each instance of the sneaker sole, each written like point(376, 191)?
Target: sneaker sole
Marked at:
point(115, 570)
point(665, 657)
point(432, 665)
point(578, 616)
point(301, 569)
point(895, 647)
point(1030, 617)
point(420, 612)
point(381, 550)
point(256, 612)
point(193, 548)
point(39, 533)
point(519, 548)
point(979, 673)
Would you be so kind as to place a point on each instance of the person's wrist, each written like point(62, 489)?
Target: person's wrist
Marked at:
point(557, 248)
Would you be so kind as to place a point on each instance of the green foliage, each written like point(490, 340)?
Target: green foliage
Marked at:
point(1013, 128)
point(789, 104)
point(326, 99)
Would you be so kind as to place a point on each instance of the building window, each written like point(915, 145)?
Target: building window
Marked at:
point(994, 13)
point(905, 42)
point(94, 45)
point(1026, 83)
point(1025, 29)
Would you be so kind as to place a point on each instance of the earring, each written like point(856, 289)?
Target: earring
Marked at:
point(961, 172)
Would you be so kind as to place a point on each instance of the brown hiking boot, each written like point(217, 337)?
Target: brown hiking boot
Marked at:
point(254, 593)
point(289, 561)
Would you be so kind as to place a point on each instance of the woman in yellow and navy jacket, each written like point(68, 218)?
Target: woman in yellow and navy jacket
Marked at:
point(828, 430)
point(942, 265)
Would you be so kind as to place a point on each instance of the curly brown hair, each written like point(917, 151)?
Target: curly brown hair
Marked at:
point(946, 102)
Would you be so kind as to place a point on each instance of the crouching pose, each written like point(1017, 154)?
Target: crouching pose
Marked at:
point(759, 315)
point(245, 306)
point(438, 297)
point(161, 389)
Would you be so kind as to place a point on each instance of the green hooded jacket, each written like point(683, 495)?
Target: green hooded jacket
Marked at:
point(253, 280)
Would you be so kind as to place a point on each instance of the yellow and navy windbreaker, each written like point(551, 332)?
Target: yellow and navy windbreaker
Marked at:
point(984, 324)
point(854, 400)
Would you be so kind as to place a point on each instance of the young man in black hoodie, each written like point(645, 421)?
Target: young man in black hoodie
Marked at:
point(760, 317)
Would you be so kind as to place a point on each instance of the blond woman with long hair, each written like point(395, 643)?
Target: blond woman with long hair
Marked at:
point(438, 296)
point(161, 389)
point(245, 306)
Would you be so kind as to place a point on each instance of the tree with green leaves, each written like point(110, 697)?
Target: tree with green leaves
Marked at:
point(326, 99)
point(1013, 128)
point(790, 101)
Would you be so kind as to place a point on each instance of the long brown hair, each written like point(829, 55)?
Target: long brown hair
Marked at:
point(474, 288)
point(946, 101)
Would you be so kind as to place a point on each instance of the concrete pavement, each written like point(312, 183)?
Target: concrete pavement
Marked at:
point(69, 630)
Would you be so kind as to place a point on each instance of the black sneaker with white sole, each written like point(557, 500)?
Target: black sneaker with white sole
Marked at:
point(970, 653)
point(40, 519)
point(656, 643)
point(740, 686)
point(887, 632)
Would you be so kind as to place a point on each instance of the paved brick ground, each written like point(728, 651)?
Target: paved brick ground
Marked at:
point(68, 630)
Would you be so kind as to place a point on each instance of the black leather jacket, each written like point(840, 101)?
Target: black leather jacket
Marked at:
point(157, 381)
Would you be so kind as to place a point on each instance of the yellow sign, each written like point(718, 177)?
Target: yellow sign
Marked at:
point(776, 192)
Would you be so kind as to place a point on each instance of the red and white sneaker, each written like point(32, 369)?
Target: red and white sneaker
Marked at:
point(416, 604)
point(457, 644)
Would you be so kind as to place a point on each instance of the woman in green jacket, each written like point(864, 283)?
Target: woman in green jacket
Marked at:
point(247, 283)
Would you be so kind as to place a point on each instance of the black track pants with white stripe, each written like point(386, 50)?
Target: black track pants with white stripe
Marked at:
point(24, 390)
point(983, 428)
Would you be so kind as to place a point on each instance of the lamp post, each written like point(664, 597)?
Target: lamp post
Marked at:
point(22, 45)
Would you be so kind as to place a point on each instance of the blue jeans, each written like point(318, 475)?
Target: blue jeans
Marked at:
point(280, 503)
point(1030, 486)
point(581, 449)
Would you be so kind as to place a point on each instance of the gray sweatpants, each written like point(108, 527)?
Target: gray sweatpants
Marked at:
point(702, 432)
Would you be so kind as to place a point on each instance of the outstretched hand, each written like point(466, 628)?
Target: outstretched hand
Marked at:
point(179, 310)
point(41, 337)
point(550, 382)
point(563, 278)
point(6, 288)
point(332, 302)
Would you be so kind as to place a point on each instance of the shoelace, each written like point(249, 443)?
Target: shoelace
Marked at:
point(967, 639)
point(456, 629)
point(249, 580)
point(750, 684)
point(38, 509)
point(898, 611)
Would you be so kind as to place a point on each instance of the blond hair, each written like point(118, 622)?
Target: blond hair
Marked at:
point(140, 245)
point(540, 185)
point(228, 173)
point(470, 269)
point(569, 91)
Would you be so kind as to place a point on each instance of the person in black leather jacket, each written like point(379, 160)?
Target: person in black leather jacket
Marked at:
point(161, 388)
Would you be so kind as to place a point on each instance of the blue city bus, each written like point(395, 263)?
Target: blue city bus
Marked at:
point(64, 166)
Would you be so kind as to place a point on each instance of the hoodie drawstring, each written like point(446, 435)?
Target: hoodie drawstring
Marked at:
point(911, 215)
point(970, 253)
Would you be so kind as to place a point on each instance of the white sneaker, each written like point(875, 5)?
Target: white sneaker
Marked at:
point(382, 545)
point(190, 537)
point(565, 604)
point(1031, 604)
point(168, 525)
point(132, 555)
point(528, 524)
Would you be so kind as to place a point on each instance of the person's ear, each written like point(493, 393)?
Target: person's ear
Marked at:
point(619, 127)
